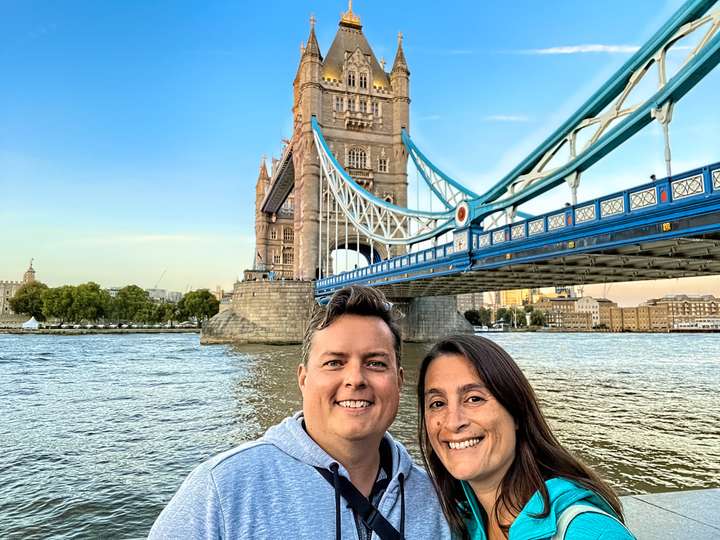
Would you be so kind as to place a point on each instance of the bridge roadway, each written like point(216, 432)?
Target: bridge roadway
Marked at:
point(666, 229)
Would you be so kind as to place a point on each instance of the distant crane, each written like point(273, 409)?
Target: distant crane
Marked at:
point(160, 279)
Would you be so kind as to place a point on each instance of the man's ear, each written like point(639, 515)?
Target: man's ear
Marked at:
point(301, 375)
point(401, 378)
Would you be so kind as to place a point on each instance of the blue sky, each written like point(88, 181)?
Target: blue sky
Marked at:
point(131, 132)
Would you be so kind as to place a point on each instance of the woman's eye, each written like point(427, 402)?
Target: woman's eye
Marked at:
point(435, 404)
point(476, 399)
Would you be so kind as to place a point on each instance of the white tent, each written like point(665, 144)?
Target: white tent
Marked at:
point(32, 324)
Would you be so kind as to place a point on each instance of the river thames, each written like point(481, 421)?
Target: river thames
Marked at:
point(97, 432)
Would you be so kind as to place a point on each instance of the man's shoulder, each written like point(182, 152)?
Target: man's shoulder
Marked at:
point(246, 458)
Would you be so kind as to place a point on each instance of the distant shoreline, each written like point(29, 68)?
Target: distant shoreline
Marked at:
point(84, 331)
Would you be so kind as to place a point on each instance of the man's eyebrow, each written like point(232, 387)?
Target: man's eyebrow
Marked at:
point(376, 354)
point(334, 353)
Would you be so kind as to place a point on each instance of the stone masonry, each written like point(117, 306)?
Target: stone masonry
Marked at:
point(263, 312)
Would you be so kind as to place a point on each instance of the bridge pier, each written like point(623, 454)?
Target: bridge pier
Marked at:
point(432, 317)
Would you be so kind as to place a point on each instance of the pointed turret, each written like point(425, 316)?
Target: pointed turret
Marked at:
point(263, 178)
point(400, 64)
point(312, 49)
point(29, 275)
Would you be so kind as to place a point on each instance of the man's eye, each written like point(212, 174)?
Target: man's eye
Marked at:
point(377, 364)
point(332, 363)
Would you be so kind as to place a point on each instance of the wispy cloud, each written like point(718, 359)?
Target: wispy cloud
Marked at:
point(583, 49)
point(506, 118)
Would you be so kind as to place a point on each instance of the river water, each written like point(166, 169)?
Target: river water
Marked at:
point(97, 432)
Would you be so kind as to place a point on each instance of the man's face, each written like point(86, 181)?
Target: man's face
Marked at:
point(351, 383)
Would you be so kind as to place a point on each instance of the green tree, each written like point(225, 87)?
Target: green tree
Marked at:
point(200, 304)
point(485, 317)
point(537, 318)
point(90, 302)
point(472, 316)
point(130, 303)
point(28, 300)
point(58, 302)
point(503, 315)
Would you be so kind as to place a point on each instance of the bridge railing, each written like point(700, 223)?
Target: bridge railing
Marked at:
point(643, 198)
point(679, 189)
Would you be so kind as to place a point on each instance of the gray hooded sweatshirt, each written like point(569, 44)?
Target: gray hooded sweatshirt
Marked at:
point(270, 489)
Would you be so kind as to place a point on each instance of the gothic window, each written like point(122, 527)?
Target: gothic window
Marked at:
point(351, 104)
point(363, 80)
point(288, 234)
point(383, 165)
point(357, 159)
point(363, 105)
point(375, 108)
point(288, 257)
point(339, 104)
point(276, 258)
point(351, 78)
point(273, 233)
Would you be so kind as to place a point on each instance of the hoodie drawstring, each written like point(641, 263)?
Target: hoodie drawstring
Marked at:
point(336, 484)
point(401, 477)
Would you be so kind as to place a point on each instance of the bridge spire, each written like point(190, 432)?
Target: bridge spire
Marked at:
point(349, 18)
point(312, 48)
point(400, 64)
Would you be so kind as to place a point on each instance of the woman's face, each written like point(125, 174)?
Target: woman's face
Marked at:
point(471, 433)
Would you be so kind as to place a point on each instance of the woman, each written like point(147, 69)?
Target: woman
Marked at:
point(497, 467)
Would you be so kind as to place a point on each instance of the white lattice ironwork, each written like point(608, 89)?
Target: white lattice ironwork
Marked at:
point(643, 198)
point(536, 227)
point(498, 237)
point(517, 231)
point(593, 128)
point(447, 192)
point(687, 187)
point(556, 221)
point(716, 179)
point(612, 207)
point(484, 240)
point(376, 219)
point(585, 213)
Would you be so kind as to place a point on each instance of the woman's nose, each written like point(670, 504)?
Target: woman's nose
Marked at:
point(456, 419)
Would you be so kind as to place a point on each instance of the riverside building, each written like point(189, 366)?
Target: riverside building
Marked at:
point(9, 288)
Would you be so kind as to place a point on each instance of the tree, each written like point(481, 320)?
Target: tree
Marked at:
point(28, 300)
point(473, 317)
point(200, 304)
point(90, 302)
point(130, 303)
point(503, 315)
point(537, 318)
point(58, 302)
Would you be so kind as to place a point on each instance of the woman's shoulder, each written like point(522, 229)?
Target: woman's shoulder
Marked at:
point(596, 526)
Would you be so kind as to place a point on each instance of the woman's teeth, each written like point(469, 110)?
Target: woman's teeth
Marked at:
point(463, 444)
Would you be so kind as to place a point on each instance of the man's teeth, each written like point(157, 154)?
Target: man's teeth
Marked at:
point(463, 444)
point(354, 403)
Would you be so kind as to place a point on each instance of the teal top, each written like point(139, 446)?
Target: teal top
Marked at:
point(562, 493)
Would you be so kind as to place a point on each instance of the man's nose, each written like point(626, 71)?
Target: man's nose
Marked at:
point(355, 375)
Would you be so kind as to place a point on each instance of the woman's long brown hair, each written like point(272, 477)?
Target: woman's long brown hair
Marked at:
point(539, 456)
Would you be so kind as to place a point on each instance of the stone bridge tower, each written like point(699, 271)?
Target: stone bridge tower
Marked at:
point(362, 109)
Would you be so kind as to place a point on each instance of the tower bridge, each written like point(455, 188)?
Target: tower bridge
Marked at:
point(341, 183)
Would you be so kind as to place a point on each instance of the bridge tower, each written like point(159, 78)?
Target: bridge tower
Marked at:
point(362, 110)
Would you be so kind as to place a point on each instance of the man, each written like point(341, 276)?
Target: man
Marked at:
point(331, 471)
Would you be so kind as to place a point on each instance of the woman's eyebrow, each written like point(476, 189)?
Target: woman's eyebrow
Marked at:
point(472, 386)
point(434, 391)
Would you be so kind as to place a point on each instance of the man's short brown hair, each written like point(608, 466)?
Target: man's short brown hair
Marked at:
point(354, 300)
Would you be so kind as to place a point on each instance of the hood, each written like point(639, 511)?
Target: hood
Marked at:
point(290, 437)
point(562, 493)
